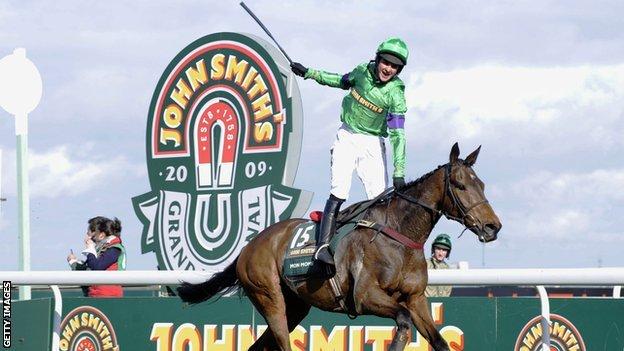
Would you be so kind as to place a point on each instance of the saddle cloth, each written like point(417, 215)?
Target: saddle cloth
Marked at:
point(299, 257)
point(299, 261)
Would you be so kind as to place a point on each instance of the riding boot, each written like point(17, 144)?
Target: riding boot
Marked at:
point(327, 229)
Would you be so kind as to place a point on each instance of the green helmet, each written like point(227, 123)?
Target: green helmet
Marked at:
point(394, 47)
point(443, 241)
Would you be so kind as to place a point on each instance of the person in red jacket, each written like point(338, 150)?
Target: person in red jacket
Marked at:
point(104, 251)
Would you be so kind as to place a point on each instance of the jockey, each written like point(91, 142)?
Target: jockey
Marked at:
point(373, 109)
point(443, 243)
point(440, 251)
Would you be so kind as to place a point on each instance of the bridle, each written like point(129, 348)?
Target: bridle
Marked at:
point(448, 191)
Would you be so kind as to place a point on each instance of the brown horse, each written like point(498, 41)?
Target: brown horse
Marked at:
point(380, 276)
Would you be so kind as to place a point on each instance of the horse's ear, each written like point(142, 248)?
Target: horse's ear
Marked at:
point(454, 153)
point(472, 158)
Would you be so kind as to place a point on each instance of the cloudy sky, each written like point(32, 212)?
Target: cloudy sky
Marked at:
point(539, 84)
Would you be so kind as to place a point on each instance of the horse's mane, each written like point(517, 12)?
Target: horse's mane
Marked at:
point(363, 205)
point(422, 178)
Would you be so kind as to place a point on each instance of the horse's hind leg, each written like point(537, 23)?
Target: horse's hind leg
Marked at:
point(265, 342)
point(272, 307)
point(296, 310)
point(419, 310)
point(379, 303)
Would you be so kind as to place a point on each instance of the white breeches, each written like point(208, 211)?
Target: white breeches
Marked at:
point(364, 153)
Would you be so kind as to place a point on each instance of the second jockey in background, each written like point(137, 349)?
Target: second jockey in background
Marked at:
point(373, 109)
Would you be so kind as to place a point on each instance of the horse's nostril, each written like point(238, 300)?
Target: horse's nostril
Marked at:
point(492, 228)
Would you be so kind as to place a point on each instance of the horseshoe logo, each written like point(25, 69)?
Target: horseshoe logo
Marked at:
point(217, 131)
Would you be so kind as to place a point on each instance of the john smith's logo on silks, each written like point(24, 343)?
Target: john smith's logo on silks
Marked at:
point(563, 335)
point(223, 142)
point(87, 329)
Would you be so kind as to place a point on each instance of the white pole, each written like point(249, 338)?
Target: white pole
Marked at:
point(58, 314)
point(20, 93)
point(545, 321)
point(1, 198)
point(23, 200)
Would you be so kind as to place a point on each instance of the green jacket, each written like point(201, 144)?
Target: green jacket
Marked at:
point(371, 108)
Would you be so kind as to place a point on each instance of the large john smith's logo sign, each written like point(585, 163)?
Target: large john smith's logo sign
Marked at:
point(223, 143)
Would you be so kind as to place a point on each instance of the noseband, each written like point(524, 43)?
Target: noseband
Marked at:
point(463, 210)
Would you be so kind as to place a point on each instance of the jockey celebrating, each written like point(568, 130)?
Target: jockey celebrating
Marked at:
point(373, 109)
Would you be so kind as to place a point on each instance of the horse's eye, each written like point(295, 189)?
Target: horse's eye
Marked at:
point(459, 186)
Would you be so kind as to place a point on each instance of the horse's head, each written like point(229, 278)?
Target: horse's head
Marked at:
point(464, 197)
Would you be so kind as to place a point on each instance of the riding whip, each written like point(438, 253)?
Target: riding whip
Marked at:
point(265, 30)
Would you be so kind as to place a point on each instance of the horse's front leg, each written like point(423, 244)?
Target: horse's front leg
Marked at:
point(378, 302)
point(404, 330)
point(419, 311)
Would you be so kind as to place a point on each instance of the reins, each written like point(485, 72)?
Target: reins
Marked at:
point(387, 195)
point(464, 211)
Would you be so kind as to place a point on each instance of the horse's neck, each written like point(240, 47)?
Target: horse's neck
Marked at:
point(430, 191)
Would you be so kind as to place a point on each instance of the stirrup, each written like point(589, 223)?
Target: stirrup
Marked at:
point(322, 254)
point(318, 249)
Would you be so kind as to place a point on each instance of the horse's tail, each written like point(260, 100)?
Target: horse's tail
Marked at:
point(224, 282)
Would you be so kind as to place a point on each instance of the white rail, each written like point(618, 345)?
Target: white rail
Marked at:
point(126, 278)
point(537, 277)
point(456, 277)
point(531, 276)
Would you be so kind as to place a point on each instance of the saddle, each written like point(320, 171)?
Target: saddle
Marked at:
point(299, 261)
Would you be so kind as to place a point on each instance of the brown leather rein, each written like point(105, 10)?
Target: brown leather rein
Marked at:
point(465, 211)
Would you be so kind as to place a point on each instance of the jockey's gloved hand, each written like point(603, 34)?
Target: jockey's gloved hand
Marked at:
point(298, 69)
point(398, 182)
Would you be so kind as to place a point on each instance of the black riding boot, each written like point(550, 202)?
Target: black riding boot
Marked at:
point(327, 229)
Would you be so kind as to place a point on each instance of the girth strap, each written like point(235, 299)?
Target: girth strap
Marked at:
point(340, 297)
point(391, 233)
